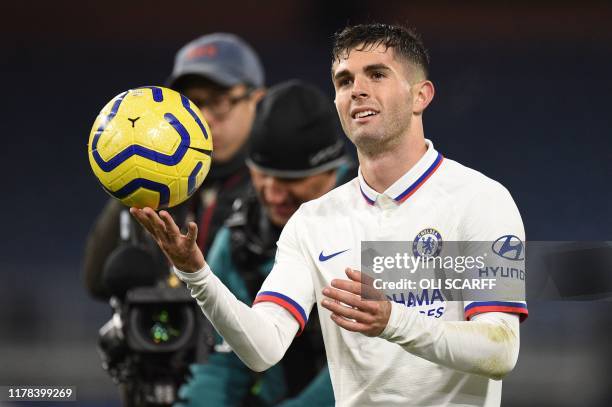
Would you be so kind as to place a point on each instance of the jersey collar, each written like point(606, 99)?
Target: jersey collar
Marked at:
point(408, 183)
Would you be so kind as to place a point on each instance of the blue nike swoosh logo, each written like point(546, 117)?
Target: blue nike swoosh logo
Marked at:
point(322, 257)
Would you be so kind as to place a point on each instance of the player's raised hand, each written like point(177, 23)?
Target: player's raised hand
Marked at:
point(182, 250)
point(367, 310)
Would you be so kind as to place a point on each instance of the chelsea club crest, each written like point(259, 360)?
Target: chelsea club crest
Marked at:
point(428, 243)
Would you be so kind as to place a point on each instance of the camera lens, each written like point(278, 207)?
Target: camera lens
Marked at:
point(160, 327)
point(164, 329)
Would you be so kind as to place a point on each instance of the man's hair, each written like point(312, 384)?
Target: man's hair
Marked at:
point(405, 42)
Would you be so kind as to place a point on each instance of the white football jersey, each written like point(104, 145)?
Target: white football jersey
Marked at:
point(437, 196)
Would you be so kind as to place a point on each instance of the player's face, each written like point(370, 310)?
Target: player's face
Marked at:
point(281, 197)
point(229, 113)
point(374, 98)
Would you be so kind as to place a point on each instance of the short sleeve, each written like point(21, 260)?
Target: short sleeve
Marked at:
point(290, 284)
point(493, 225)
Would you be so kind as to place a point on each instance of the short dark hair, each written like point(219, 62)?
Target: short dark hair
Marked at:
point(405, 42)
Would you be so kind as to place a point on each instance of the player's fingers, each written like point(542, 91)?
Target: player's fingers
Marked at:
point(355, 291)
point(192, 233)
point(357, 286)
point(348, 324)
point(144, 221)
point(365, 278)
point(343, 296)
point(340, 295)
point(149, 214)
point(140, 218)
point(138, 214)
point(346, 285)
point(353, 274)
point(157, 225)
point(171, 228)
point(347, 312)
point(366, 286)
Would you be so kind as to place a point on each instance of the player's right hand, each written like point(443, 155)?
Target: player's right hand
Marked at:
point(182, 250)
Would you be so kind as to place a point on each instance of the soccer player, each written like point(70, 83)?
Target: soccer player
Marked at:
point(379, 352)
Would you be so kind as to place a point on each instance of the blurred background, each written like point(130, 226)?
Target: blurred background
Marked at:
point(523, 95)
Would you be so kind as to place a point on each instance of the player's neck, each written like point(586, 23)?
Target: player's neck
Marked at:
point(382, 170)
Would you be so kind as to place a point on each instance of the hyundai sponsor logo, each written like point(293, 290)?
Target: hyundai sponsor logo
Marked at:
point(509, 247)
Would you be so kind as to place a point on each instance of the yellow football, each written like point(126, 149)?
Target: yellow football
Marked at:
point(150, 146)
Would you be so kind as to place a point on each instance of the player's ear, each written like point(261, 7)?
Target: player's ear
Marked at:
point(423, 93)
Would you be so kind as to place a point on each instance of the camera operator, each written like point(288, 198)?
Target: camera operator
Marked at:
point(224, 77)
point(296, 154)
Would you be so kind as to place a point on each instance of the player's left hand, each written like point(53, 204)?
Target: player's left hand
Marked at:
point(368, 316)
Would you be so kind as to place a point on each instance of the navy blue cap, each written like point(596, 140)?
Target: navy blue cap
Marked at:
point(223, 58)
point(295, 133)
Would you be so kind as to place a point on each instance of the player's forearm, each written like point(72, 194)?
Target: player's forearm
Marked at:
point(259, 335)
point(488, 345)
